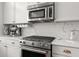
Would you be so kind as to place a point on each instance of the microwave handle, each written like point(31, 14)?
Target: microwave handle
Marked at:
point(52, 10)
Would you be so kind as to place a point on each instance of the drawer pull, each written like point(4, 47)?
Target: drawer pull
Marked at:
point(5, 46)
point(67, 51)
point(13, 42)
point(0, 40)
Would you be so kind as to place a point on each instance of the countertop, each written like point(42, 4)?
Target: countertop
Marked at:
point(62, 42)
point(69, 43)
point(11, 38)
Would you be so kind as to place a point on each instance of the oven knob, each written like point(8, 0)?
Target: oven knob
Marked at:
point(32, 43)
point(46, 45)
point(24, 42)
point(41, 45)
point(20, 41)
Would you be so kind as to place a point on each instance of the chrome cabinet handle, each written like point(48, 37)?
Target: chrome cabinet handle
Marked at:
point(13, 42)
point(67, 51)
point(0, 40)
point(5, 46)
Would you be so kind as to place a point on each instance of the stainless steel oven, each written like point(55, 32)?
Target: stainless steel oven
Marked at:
point(44, 11)
point(36, 46)
point(27, 51)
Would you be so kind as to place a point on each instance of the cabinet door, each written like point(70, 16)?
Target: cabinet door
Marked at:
point(32, 3)
point(67, 11)
point(21, 12)
point(3, 51)
point(14, 51)
point(8, 12)
point(58, 55)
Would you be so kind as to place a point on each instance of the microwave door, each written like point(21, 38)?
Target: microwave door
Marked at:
point(37, 14)
point(50, 12)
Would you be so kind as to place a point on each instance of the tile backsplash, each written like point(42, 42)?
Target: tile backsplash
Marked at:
point(59, 30)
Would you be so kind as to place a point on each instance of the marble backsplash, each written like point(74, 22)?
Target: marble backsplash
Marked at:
point(60, 30)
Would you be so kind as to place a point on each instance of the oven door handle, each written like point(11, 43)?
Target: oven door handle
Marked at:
point(35, 50)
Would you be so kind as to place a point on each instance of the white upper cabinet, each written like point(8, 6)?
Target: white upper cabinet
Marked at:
point(21, 12)
point(32, 3)
point(67, 11)
point(8, 12)
point(15, 12)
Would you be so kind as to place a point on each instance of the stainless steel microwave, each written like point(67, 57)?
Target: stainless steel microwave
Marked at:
point(42, 11)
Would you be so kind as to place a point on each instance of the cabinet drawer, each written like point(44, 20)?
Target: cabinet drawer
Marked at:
point(13, 43)
point(68, 51)
point(58, 55)
point(2, 42)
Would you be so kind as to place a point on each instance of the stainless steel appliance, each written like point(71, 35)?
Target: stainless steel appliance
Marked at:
point(36, 46)
point(42, 11)
point(13, 30)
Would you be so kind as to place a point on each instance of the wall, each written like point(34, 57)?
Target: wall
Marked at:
point(59, 30)
point(1, 18)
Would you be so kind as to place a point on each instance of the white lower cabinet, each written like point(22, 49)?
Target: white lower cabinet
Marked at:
point(10, 48)
point(13, 51)
point(58, 55)
point(3, 51)
point(65, 51)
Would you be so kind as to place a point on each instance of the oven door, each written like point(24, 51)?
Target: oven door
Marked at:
point(37, 14)
point(34, 52)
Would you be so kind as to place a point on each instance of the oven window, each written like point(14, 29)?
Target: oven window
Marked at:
point(37, 14)
point(26, 53)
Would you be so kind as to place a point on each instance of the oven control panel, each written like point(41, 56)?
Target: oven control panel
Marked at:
point(36, 44)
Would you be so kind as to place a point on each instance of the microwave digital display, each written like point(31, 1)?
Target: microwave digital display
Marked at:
point(37, 14)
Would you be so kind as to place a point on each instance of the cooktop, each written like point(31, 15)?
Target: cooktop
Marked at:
point(39, 38)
